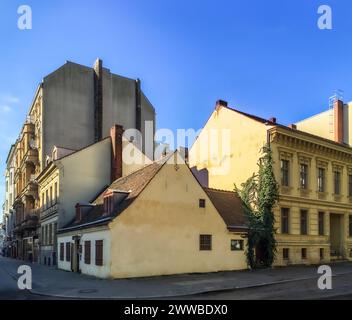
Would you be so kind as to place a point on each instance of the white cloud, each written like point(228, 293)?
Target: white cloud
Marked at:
point(9, 99)
point(5, 108)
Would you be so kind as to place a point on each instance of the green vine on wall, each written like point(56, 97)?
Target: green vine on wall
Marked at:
point(260, 194)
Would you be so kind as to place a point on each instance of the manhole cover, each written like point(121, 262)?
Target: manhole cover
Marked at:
point(88, 291)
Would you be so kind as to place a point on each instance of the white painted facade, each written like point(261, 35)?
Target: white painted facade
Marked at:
point(91, 235)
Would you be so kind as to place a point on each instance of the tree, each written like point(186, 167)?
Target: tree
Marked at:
point(259, 195)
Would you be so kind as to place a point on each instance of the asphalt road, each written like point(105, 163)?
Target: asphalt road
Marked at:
point(302, 290)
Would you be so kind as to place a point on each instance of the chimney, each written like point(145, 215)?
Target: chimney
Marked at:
point(338, 121)
point(78, 213)
point(116, 133)
point(138, 105)
point(293, 126)
point(219, 104)
point(272, 120)
point(98, 100)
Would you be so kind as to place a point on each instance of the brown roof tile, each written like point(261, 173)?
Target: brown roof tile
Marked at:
point(230, 207)
point(134, 183)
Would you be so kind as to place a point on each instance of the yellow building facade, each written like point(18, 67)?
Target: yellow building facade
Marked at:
point(314, 212)
point(160, 221)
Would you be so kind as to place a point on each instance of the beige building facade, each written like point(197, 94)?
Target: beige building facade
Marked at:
point(313, 215)
point(156, 221)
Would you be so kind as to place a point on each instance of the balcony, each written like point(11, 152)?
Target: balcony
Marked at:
point(47, 212)
point(31, 156)
point(31, 190)
point(31, 222)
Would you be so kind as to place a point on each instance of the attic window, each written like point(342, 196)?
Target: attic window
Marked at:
point(108, 204)
point(201, 203)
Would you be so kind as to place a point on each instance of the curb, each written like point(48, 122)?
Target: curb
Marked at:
point(197, 292)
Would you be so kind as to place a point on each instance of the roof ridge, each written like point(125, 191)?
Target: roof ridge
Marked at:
point(220, 190)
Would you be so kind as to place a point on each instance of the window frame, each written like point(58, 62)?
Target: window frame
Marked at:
point(99, 254)
point(285, 228)
point(205, 242)
point(321, 223)
point(285, 254)
point(304, 231)
point(337, 182)
point(234, 248)
point(87, 252)
point(62, 251)
point(285, 172)
point(321, 179)
point(68, 251)
point(303, 175)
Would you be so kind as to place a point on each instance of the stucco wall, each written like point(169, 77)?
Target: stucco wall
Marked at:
point(235, 159)
point(159, 233)
point(89, 269)
point(320, 124)
point(68, 112)
point(82, 176)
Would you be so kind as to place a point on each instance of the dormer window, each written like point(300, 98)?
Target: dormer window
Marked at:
point(112, 198)
point(108, 204)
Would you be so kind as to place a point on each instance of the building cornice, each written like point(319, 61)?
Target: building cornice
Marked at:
point(321, 148)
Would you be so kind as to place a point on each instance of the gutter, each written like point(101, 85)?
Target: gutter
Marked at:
point(81, 226)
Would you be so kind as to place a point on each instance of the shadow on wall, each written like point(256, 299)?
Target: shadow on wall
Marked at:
point(202, 176)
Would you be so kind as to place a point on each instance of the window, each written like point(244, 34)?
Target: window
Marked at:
point(237, 245)
point(304, 222)
point(304, 253)
point(285, 170)
point(304, 176)
point(321, 253)
point(51, 196)
point(350, 185)
point(285, 253)
point(321, 223)
point(42, 235)
point(50, 234)
point(99, 252)
point(43, 200)
point(321, 180)
point(62, 251)
point(46, 199)
point(55, 192)
point(87, 252)
point(285, 215)
point(46, 235)
point(205, 242)
point(201, 203)
point(350, 226)
point(337, 182)
point(68, 251)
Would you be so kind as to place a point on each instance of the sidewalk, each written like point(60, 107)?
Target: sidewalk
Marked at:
point(57, 283)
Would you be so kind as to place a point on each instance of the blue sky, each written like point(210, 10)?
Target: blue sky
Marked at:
point(264, 57)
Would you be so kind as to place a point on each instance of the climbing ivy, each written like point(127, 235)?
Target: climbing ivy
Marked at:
point(259, 194)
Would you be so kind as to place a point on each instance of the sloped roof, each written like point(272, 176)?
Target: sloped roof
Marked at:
point(133, 184)
point(230, 207)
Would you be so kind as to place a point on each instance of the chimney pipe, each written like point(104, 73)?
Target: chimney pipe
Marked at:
point(116, 133)
point(220, 103)
point(293, 126)
point(272, 120)
point(338, 121)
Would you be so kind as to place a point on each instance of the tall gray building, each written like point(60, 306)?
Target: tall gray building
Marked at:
point(73, 107)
